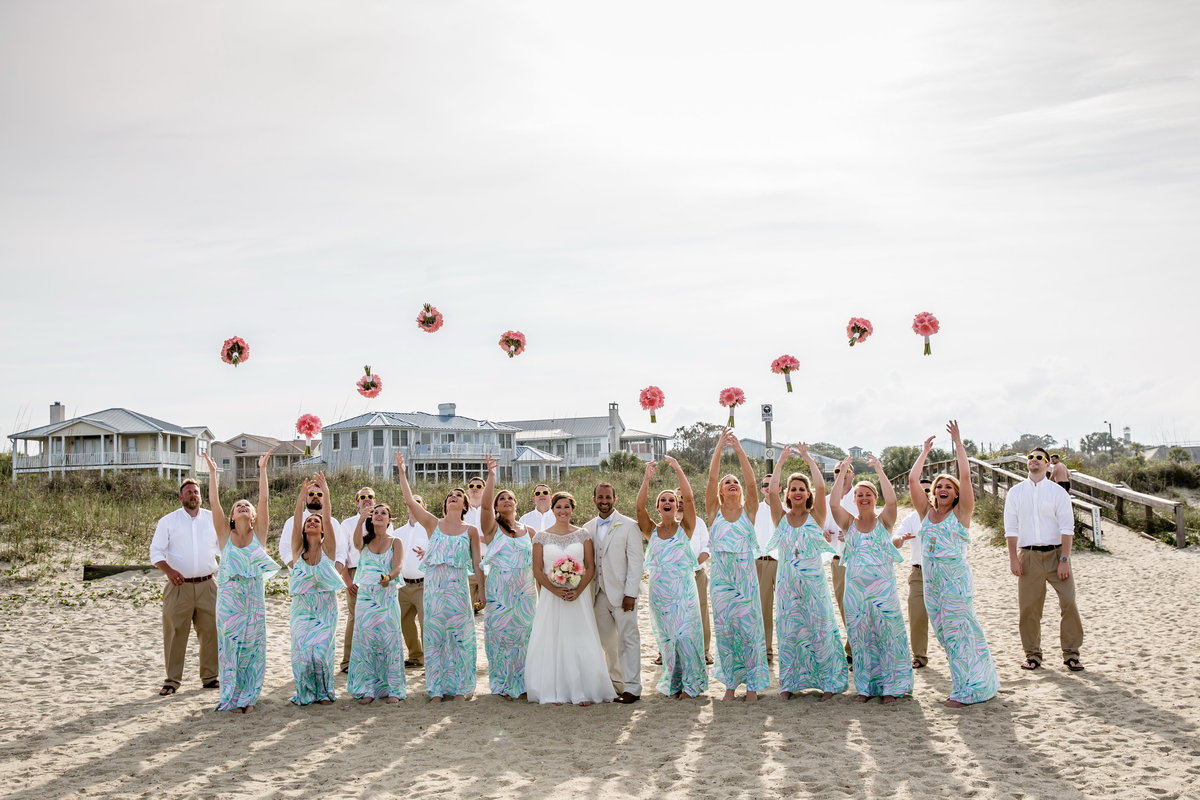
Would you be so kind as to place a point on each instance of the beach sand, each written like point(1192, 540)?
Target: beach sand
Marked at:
point(81, 715)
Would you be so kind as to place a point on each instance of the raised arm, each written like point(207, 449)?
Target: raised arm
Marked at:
point(712, 491)
point(773, 489)
point(477, 564)
point(748, 480)
point(687, 498)
point(487, 514)
point(357, 540)
point(219, 520)
point(966, 490)
point(889, 493)
point(298, 521)
point(415, 511)
point(840, 515)
point(819, 508)
point(916, 495)
point(329, 540)
point(262, 517)
point(645, 523)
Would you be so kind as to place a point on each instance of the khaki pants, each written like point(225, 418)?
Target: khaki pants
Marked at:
point(839, 592)
point(183, 606)
point(767, 568)
point(348, 643)
point(702, 590)
point(918, 617)
point(1040, 568)
point(412, 613)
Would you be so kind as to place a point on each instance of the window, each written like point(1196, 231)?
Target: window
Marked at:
point(243, 443)
point(404, 438)
point(224, 463)
point(377, 438)
point(506, 441)
point(353, 440)
point(337, 441)
point(131, 445)
point(587, 449)
point(395, 438)
point(183, 446)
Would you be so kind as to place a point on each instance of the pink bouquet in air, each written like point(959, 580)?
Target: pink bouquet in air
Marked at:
point(858, 329)
point(926, 324)
point(731, 398)
point(566, 572)
point(429, 319)
point(370, 385)
point(652, 399)
point(512, 342)
point(308, 426)
point(785, 365)
point(235, 350)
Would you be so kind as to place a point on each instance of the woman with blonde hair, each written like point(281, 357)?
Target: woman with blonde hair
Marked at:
point(949, 585)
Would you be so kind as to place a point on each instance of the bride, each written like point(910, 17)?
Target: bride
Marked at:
point(565, 663)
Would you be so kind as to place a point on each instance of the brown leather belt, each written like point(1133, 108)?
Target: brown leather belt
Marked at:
point(411, 581)
point(201, 579)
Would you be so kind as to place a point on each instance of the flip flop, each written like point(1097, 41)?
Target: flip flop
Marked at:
point(167, 690)
point(213, 684)
point(1031, 664)
point(1074, 665)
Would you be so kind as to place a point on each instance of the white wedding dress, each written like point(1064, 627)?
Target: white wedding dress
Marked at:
point(565, 662)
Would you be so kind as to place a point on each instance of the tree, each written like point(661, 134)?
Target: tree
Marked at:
point(828, 450)
point(621, 461)
point(1028, 441)
point(1100, 442)
point(898, 460)
point(694, 444)
point(1180, 455)
point(970, 446)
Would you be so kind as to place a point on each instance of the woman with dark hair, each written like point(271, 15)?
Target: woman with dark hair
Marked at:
point(241, 578)
point(313, 584)
point(949, 585)
point(810, 647)
point(511, 589)
point(450, 559)
point(377, 651)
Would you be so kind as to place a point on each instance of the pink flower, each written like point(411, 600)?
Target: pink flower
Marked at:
point(926, 324)
point(429, 319)
point(512, 342)
point(235, 350)
point(308, 426)
point(731, 397)
point(652, 399)
point(858, 329)
point(785, 364)
point(370, 385)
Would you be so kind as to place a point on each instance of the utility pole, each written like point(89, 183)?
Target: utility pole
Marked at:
point(768, 413)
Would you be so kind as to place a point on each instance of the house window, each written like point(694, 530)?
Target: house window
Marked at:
point(377, 438)
point(404, 438)
point(587, 449)
point(224, 463)
point(506, 441)
point(243, 443)
point(131, 445)
point(337, 441)
point(353, 440)
point(183, 446)
point(395, 438)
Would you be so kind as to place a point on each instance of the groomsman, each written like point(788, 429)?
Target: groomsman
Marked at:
point(184, 547)
point(918, 617)
point(766, 565)
point(619, 557)
point(312, 505)
point(415, 540)
point(541, 517)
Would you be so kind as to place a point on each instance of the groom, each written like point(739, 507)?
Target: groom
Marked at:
point(618, 546)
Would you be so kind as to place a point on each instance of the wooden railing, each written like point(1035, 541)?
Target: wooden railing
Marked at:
point(118, 458)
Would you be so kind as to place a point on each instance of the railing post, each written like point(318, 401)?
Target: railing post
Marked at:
point(1180, 530)
point(1097, 534)
point(1149, 520)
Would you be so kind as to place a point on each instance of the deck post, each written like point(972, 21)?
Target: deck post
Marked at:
point(1180, 529)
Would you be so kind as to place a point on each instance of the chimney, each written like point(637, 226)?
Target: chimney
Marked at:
point(446, 409)
point(615, 428)
point(58, 412)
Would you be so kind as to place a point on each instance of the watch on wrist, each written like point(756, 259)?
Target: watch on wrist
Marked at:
point(1063, 559)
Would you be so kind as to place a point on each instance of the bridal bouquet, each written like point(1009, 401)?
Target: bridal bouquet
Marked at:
point(235, 350)
point(566, 572)
point(370, 385)
point(308, 426)
point(731, 397)
point(652, 399)
point(429, 319)
point(512, 342)
point(785, 365)
point(858, 329)
point(926, 324)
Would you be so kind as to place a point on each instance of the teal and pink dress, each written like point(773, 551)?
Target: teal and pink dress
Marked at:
point(314, 616)
point(675, 614)
point(511, 603)
point(242, 623)
point(806, 631)
point(377, 650)
point(449, 630)
point(874, 625)
point(736, 608)
point(949, 599)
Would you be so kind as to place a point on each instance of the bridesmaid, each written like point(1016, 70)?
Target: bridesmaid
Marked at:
point(377, 650)
point(733, 581)
point(874, 625)
point(674, 601)
point(810, 647)
point(449, 561)
point(949, 585)
point(313, 585)
point(241, 607)
point(511, 588)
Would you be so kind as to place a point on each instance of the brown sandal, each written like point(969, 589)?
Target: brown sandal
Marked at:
point(1074, 665)
point(1031, 664)
point(167, 690)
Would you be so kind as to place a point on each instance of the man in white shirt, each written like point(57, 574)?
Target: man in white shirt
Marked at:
point(766, 565)
point(415, 541)
point(1040, 527)
point(918, 617)
point(617, 543)
point(836, 570)
point(474, 518)
point(347, 562)
point(541, 517)
point(184, 547)
point(311, 506)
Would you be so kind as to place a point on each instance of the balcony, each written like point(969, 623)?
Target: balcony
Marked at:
point(148, 458)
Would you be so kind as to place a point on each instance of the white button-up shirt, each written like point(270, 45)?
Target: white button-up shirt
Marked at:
point(763, 528)
point(538, 520)
point(474, 517)
point(346, 553)
point(1038, 513)
point(411, 537)
point(188, 544)
point(699, 541)
point(912, 524)
point(285, 536)
point(603, 526)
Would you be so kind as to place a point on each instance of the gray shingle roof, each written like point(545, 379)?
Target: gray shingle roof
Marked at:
point(525, 454)
point(415, 420)
point(118, 420)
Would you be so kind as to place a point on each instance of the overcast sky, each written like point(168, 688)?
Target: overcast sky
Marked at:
point(668, 193)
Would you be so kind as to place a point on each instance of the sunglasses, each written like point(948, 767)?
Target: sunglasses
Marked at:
point(316, 494)
point(541, 493)
point(1037, 457)
point(366, 497)
point(927, 490)
point(474, 485)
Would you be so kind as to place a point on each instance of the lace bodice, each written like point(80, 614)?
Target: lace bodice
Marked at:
point(555, 547)
point(562, 540)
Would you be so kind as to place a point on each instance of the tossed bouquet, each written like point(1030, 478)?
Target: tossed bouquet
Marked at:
point(566, 572)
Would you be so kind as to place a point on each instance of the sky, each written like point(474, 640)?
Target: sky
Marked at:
point(670, 193)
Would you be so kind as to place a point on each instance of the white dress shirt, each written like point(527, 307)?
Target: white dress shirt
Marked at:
point(763, 529)
point(699, 541)
point(831, 525)
point(188, 544)
point(347, 554)
point(603, 526)
point(285, 536)
point(1038, 513)
point(412, 536)
point(538, 520)
point(912, 524)
point(474, 518)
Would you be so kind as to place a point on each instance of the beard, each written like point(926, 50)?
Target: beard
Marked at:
point(604, 508)
point(192, 503)
point(313, 505)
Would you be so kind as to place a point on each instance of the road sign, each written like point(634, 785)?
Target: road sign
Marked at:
point(770, 452)
point(768, 412)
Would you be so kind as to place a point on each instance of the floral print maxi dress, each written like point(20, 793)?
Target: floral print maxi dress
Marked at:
point(949, 599)
point(736, 607)
point(242, 623)
point(806, 631)
point(449, 630)
point(314, 616)
point(874, 625)
point(377, 650)
point(511, 603)
point(675, 614)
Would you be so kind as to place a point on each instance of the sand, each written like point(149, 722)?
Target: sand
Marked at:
point(81, 715)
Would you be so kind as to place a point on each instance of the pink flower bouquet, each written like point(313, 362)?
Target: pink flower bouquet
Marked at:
point(926, 324)
point(785, 365)
point(731, 398)
point(429, 319)
point(370, 385)
point(652, 399)
point(512, 342)
point(566, 572)
point(858, 329)
point(308, 426)
point(235, 350)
